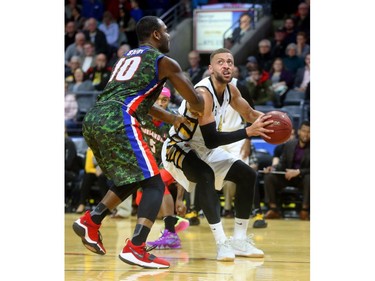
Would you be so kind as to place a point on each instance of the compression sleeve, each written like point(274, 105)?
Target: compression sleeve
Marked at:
point(213, 138)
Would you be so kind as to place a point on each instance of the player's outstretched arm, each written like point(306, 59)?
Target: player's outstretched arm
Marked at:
point(170, 69)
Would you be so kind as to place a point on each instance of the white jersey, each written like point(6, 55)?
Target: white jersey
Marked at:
point(193, 133)
point(187, 138)
point(232, 121)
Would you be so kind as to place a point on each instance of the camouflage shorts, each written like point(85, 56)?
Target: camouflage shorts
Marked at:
point(117, 142)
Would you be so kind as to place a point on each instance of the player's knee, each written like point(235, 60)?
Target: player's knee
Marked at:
point(206, 176)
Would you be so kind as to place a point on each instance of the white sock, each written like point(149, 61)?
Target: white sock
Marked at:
point(240, 228)
point(218, 232)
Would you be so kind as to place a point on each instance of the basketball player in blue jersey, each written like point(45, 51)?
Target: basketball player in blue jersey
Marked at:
point(113, 129)
point(193, 156)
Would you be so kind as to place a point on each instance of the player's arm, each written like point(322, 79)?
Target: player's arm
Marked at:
point(170, 69)
point(213, 138)
point(166, 116)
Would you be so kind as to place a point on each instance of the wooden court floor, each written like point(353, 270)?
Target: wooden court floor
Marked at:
point(286, 244)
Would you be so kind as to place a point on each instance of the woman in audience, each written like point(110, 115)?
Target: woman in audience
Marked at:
point(281, 79)
point(80, 83)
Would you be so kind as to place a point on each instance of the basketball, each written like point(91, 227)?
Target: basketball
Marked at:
point(282, 127)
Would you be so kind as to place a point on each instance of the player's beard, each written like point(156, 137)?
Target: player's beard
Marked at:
point(221, 79)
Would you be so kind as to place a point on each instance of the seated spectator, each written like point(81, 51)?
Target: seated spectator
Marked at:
point(290, 32)
point(93, 175)
point(71, 109)
point(80, 83)
point(135, 14)
point(295, 162)
point(74, 63)
point(302, 79)
point(70, 33)
point(259, 87)
point(291, 61)
point(239, 32)
point(302, 19)
point(112, 32)
point(75, 49)
point(100, 73)
point(302, 47)
point(79, 20)
point(122, 21)
point(123, 49)
point(195, 70)
point(278, 45)
point(264, 56)
point(88, 59)
point(69, 6)
point(281, 79)
point(96, 36)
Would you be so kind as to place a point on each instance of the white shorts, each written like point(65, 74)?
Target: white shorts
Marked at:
point(218, 159)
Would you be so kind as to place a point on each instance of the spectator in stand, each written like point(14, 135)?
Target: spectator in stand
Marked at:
point(80, 82)
point(239, 32)
point(295, 162)
point(88, 59)
point(74, 63)
point(259, 87)
point(96, 36)
point(302, 19)
point(75, 49)
point(100, 73)
point(122, 21)
point(92, 9)
point(279, 149)
point(136, 13)
point(251, 64)
point(302, 79)
point(69, 7)
point(111, 30)
point(302, 47)
point(93, 176)
point(71, 113)
point(195, 70)
point(70, 33)
point(79, 21)
point(290, 32)
point(278, 45)
point(124, 48)
point(281, 79)
point(264, 56)
point(292, 62)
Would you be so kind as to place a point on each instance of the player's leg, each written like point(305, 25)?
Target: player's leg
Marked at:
point(134, 251)
point(196, 170)
point(244, 177)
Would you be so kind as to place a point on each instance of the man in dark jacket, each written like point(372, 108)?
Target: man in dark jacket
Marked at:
point(295, 162)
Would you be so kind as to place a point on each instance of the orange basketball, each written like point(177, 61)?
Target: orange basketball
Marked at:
point(282, 127)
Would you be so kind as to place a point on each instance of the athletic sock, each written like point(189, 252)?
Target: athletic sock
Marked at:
point(140, 234)
point(169, 222)
point(218, 232)
point(240, 228)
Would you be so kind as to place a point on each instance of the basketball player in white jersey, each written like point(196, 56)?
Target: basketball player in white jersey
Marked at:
point(193, 156)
